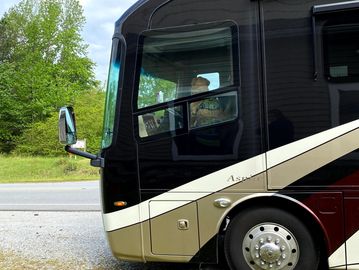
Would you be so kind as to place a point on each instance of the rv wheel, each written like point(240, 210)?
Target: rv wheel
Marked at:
point(269, 238)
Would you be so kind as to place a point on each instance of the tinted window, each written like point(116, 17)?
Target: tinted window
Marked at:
point(173, 59)
point(213, 110)
point(341, 50)
point(160, 121)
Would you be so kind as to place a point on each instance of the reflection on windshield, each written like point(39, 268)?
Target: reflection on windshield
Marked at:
point(111, 96)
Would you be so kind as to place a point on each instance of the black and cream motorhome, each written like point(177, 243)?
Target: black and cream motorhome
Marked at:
point(261, 166)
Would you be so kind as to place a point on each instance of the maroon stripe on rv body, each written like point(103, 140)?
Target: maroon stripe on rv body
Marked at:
point(338, 211)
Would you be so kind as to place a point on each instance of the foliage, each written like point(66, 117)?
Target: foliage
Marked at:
point(151, 86)
point(42, 137)
point(43, 64)
point(89, 111)
point(10, 110)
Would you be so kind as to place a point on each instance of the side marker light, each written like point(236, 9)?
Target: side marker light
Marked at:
point(120, 204)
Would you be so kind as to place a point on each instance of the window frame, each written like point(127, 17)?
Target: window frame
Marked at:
point(187, 100)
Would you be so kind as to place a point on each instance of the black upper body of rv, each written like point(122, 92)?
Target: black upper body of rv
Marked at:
point(278, 71)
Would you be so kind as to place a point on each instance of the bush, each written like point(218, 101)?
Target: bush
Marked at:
point(41, 138)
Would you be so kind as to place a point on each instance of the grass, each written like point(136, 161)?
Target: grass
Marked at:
point(16, 169)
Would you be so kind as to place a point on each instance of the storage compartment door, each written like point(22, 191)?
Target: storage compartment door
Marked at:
point(174, 232)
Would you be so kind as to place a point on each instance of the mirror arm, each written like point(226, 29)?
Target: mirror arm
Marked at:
point(96, 161)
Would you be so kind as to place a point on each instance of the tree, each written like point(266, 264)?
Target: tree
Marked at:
point(10, 110)
point(41, 138)
point(151, 86)
point(44, 59)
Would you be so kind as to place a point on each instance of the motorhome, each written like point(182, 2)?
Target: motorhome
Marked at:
point(231, 133)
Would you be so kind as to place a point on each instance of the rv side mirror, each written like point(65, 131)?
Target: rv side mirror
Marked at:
point(67, 135)
point(67, 126)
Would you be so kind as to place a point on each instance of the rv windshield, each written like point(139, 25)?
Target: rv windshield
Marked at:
point(112, 91)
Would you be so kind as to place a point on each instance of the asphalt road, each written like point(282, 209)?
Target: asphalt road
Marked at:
point(67, 196)
point(59, 226)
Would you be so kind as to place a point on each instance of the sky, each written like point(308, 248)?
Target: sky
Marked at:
point(101, 16)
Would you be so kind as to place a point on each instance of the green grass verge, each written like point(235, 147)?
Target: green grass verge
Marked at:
point(14, 169)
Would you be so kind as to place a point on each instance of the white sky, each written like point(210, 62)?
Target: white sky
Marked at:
point(97, 33)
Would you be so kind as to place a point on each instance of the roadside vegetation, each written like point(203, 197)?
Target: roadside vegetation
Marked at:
point(45, 169)
point(43, 66)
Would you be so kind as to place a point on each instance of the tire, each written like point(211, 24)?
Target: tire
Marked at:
point(269, 238)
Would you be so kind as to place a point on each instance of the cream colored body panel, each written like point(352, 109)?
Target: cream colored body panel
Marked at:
point(337, 259)
point(147, 249)
point(168, 237)
point(350, 249)
point(126, 244)
point(353, 249)
point(211, 217)
point(292, 170)
point(287, 152)
point(344, 267)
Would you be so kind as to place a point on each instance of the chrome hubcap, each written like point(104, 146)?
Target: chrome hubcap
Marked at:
point(270, 252)
point(270, 246)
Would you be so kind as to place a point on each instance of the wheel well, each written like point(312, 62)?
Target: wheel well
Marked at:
point(287, 204)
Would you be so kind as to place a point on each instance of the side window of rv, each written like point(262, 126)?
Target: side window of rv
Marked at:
point(335, 36)
point(177, 64)
point(341, 52)
point(161, 121)
point(213, 110)
point(171, 60)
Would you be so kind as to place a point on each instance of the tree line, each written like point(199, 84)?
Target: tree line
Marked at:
point(43, 66)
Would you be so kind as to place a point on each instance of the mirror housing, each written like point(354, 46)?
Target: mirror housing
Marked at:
point(67, 136)
point(67, 126)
